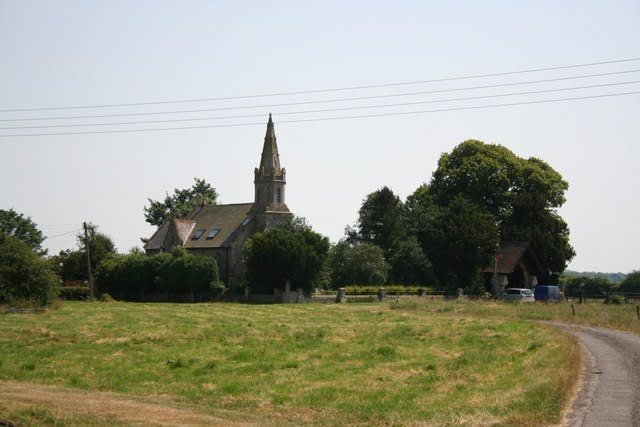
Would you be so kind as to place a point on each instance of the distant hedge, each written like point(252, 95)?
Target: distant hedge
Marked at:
point(176, 273)
point(390, 289)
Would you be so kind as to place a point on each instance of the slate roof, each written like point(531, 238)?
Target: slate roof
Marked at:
point(225, 218)
point(509, 255)
point(155, 242)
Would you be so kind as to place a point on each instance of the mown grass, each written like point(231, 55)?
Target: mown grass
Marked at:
point(418, 361)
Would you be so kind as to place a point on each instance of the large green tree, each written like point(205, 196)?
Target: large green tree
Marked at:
point(380, 220)
point(180, 203)
point(23, 228)
point(522, 196)
point(292, 253)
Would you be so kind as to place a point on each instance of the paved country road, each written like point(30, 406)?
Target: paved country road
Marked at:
point(610, 393)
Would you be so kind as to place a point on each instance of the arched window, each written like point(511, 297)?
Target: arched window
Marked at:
point(278, 195)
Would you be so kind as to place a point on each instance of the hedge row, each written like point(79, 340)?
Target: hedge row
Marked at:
point(178, 272)
point(390, 289)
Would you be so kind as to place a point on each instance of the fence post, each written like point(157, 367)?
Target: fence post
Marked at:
point(573, 310)
point(638, 311)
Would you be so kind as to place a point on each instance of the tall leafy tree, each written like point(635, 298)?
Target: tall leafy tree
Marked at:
point(380, 220)
point(293, 253)
point(409, 264)
point(180, 203)
point(460, 241)
point(521, 195)
point(357, 264)
point(23, 228)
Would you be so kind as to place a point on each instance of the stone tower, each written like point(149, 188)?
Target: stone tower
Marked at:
point(269, 178)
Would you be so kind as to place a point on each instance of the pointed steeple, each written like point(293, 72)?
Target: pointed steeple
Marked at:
point(270, 160)
point(270, 178)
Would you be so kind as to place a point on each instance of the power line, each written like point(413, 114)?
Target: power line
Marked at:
point(62, 234)
point(327, 110)
point(339, 89)
point(359, 98)
point(400, 113)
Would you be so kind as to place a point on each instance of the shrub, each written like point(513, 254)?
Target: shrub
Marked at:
point(615, 299)
point(25, 278)
point(74, 293)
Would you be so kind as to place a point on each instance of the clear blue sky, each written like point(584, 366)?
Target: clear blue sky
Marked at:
point(78, 53)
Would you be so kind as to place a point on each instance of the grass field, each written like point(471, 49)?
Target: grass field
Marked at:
point(415, 362)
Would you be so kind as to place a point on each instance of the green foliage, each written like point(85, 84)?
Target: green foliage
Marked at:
point(23, 228)
point(292, 252)
point(25, 277)
point(460, 239)
point(177, 273)
point(71, 265)
point(74, 293)
point(521, 195)
point(615, 299)
point(389, 289)
point(593, 287)
point(362, 263)
point(380, 220)
point(409, 265)
point(180, 203)
point(631, 283)
point(615, 278)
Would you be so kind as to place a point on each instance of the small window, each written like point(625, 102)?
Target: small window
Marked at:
point(198, 233)
point(213, 233)
point(279, 195)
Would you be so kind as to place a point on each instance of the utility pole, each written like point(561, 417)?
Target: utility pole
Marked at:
point(86, 245)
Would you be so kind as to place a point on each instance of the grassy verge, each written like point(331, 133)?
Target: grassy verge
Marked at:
point(441, 363)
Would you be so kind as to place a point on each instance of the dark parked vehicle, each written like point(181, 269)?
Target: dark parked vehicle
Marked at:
point(547, 293)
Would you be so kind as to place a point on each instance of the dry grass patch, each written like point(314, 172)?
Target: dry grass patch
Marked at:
point(369, 364)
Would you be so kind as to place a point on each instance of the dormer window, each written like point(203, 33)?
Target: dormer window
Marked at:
point(213, 233)
point(198, 233)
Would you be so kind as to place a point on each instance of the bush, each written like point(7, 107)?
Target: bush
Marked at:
point(25, 278)
point(74, 293)
point(178, 273)
point(615, 299)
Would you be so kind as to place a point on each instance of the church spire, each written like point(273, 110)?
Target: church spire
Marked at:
point(270, 178)
point(270, 159)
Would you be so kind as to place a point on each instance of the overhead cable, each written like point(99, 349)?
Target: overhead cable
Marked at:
point(359, 98)
point(399, 113)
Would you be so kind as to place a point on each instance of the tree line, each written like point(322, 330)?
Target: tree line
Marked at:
point(441, 236)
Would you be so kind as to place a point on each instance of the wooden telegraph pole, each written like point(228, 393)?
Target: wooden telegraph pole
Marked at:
point(89, 274)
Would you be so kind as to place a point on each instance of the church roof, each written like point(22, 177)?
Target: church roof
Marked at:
point(226, 219)
point(206, 227)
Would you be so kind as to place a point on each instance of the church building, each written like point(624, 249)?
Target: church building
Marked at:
point(220, 231)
